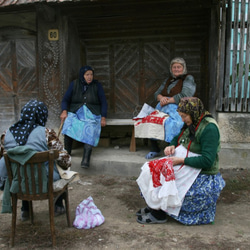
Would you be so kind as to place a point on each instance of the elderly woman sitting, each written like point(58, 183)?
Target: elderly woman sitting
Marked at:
point(180, 84)
point(200, 139)
point(30, 131)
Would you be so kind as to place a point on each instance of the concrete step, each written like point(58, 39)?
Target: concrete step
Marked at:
point(235, 155)
point(118, 161)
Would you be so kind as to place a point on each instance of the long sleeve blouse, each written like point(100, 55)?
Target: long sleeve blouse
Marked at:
point(101, 95)
point(206, 143)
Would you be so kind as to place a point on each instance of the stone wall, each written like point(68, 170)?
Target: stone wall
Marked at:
point(235, 140)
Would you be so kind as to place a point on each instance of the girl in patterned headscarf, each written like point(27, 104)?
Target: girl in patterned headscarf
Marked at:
point(200, 135)
point(30, 131)
point(33, 114)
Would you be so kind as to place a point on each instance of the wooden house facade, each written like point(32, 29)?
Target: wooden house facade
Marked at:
point(128, 43)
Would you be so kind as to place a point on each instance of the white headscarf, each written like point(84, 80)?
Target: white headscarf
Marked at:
point(180, 61)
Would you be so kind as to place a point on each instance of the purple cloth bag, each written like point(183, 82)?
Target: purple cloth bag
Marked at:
point(88, 215)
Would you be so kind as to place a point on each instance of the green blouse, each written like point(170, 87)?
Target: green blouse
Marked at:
point(206, 143)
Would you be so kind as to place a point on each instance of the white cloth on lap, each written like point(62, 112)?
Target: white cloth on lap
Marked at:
point(170, 195)
point(151, 126)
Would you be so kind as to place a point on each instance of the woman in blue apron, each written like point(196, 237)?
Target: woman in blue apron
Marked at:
point(84, 112)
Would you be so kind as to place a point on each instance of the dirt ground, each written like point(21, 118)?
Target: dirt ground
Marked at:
point(118, 199)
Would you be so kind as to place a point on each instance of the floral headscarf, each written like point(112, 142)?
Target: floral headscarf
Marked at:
point(194, 107)
point(33, 114)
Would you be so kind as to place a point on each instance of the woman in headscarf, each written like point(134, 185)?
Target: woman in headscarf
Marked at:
point(30, 131)
point(84, 112)
point(180, 84)
point(200, 135)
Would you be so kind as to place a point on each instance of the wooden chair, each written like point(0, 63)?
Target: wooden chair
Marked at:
point(34, 187)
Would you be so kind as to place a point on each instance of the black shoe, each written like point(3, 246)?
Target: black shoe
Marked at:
point(86, 156)
point(84, 164)
point(143, 211)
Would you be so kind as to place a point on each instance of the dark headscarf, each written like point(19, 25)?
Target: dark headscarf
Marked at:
point(83, 70)
point(194, 107)
point(33, 114)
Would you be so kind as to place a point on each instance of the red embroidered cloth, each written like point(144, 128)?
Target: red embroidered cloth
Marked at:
point(164, 167)
point(153, 118)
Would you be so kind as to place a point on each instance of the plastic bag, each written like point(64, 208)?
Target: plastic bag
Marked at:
point(88, 215)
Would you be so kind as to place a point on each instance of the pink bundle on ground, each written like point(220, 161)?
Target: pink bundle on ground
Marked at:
point(88, 215)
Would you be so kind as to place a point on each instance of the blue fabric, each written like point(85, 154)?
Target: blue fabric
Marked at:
point(174, 123)
point(83, 126)
point(199, 205)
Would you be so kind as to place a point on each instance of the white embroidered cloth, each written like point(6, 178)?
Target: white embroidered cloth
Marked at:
point(151, 126)
point(170, 195)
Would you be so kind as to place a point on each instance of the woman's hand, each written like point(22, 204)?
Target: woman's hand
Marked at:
point(177, 160)
point(63, 115)
point(103, 122)
point(164, 101)
point(169, 150)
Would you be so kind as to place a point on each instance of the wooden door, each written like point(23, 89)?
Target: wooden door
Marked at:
point(130, 71)
point(18, 82)
point(139, 70)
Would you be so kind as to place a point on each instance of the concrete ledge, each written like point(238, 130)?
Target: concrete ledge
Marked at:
point(111, 161)
point(235, 155)
point(119, 122)
point(234, 127)
point(118, 161)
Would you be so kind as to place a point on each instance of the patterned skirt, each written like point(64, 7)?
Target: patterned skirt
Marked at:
point(83, 126)
point(199, 205)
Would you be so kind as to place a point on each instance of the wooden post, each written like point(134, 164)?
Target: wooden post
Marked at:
point(132, 147)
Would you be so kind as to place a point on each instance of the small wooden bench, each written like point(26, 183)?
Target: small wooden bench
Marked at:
point(124, 122)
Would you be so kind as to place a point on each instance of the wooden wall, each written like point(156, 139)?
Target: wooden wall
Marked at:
point(18, 65)
point(129, 43)
point(234, 59)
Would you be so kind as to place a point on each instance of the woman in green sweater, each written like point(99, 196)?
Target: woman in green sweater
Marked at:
point(200, 135)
